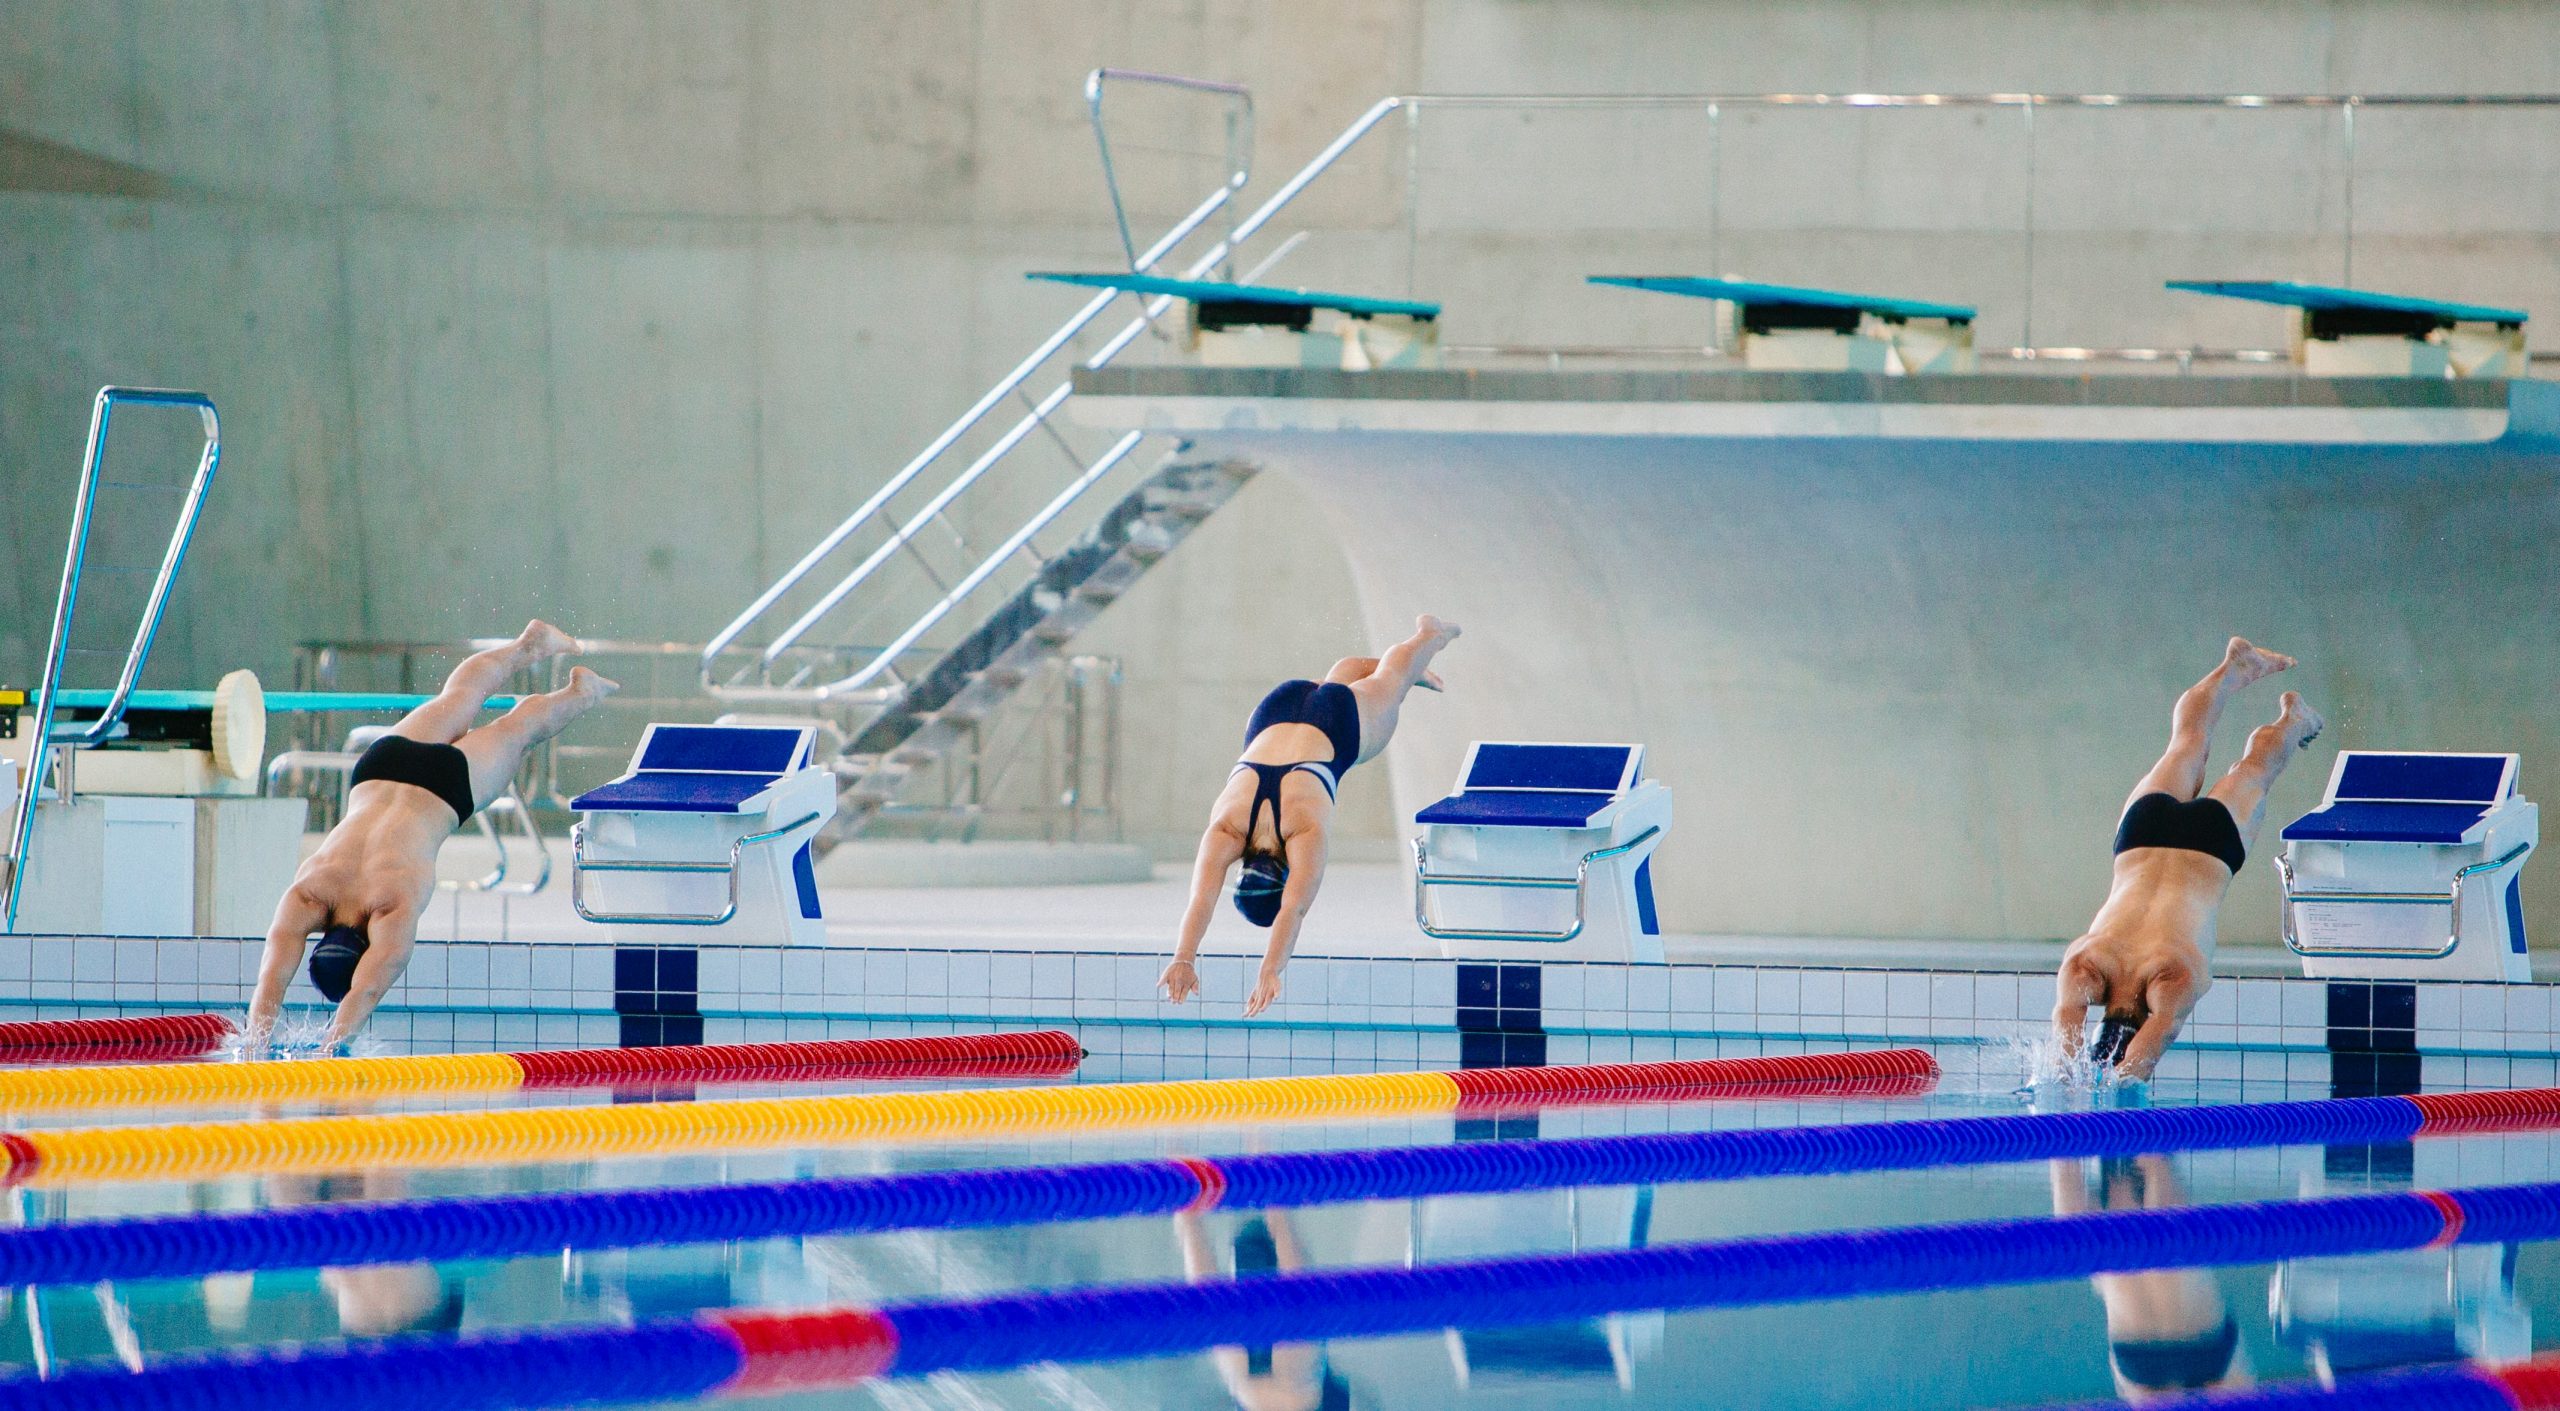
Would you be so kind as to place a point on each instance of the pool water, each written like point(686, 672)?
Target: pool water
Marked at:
point(2011, 1346)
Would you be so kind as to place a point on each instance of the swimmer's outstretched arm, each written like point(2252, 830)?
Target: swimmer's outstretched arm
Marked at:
point(1306, 874)
point(298, 914)
point(391, 935)
point(1221, 848)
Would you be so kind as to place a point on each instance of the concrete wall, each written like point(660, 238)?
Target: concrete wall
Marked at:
point(604, 310)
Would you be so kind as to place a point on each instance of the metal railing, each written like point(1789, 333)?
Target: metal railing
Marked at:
point(1044, 765)
point(45, 744)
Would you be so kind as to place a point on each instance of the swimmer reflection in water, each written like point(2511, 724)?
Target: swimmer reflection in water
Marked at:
point(1277, 807)
point(1280, 1376)
point(374, 874)
point(2177, 848)
point(2169, 1332)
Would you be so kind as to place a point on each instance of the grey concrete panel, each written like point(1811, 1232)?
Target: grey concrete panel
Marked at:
point(66, 75)
point(654, 365)
point(237, 95)
point(868, 110)
point(464, 520)
point(651, 107)
point(442, 102)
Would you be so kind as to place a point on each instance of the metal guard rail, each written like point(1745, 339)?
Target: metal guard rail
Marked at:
point(580, 866)
point(75, 558)
point(2450, 897)
point(1424, 881)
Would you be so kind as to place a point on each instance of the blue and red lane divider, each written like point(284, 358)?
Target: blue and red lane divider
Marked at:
point(2462, 1386)
point(497, 1227)
point(734, 1352)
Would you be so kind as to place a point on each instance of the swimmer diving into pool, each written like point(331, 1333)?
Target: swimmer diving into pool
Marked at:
point(1275, 811)
point(2177, 848)
point(373, 875)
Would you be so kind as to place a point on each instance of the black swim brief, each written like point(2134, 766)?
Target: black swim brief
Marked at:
point(2197, 825)
point(441, 770)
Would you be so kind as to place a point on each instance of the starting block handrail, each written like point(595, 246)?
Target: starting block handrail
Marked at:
point(2450, 897)
point(1424, 880)
point(75, 559)
point(580, 866)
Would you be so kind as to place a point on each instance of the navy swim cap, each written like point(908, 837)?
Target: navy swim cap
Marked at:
point(1258, 889)
point(333, 961)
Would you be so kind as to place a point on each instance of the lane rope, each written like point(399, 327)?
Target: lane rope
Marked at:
point(206, 1029)
point(513, 1136)
point(28, 1089)
point(732, 1352)
point(484, 1227)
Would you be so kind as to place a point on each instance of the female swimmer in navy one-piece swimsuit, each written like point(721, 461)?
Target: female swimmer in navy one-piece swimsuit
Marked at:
point(1274, 813)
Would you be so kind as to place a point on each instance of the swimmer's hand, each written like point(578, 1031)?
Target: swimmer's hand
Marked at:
point(1179, 982)
point(1265, 989)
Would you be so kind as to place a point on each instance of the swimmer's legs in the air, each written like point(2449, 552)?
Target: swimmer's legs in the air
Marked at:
point(1380, 684)
point(496, 750)
point(455, 709)
point(2272, 746)
point(2180, 772)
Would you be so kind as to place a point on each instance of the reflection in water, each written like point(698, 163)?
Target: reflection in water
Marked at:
point(373, 1300)
point(1286, 1376)
point(2169, 1331)
point(1565, 1221)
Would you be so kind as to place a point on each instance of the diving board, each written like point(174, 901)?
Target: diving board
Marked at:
point(1798, 328)
point(1269, 325)
point(278, 702)
point(2359, 333)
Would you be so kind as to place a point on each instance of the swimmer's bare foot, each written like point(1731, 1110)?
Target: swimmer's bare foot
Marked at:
point(1429, 626)
point(1431, 682)
point(2244, 663)
point(2300, 723)
point(540, 641)
point(587, 683)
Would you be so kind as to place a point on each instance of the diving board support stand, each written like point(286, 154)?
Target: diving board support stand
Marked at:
point(2409, 869)
point(1543, 853)
point(711, 829)
point(1790, 328)
point(2359, 333)
point(1263, 325)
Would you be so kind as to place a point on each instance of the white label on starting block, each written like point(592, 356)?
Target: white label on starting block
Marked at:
point(2347, 926)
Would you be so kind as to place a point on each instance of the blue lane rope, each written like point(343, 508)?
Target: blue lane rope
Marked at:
point(505, 1226)
point(690, 1357)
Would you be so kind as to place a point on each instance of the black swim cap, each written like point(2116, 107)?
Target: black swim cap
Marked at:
point(1258, 890)
point(333, 961)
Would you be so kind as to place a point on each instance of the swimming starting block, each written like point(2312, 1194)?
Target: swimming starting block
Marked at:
point(710, 827)
point(1553, 846)
point(1780, 327)
point(1266, 325)
point(2409, 869)
point(2357, 333)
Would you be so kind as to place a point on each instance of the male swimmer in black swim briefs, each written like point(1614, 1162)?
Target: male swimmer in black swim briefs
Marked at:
point(1300, 742)
point(373, 875)
point(2177, 847)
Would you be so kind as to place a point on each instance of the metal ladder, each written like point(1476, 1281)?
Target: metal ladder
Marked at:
point(53, 749)
point(914, 699)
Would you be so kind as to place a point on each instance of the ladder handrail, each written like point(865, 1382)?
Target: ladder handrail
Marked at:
point(1150, 308)
point(75, 557)
point(1239, 108)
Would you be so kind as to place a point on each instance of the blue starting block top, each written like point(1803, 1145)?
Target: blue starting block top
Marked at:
point(278, 702)
point(1537, 786)
point(2407, 798)
point(2322, 298)
point(1211, 291)
point(700, 769)
point(1743, 292)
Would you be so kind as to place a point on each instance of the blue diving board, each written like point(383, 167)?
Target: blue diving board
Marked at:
point(278, 702)
point(1743, 292)
point(1211, 291)
point(2323, 298)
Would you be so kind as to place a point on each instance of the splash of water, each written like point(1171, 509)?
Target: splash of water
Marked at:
point(297, 1036)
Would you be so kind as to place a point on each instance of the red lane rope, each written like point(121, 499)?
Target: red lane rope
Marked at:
point(742, 1062)
point(151, 1029)
point(1695, 1073)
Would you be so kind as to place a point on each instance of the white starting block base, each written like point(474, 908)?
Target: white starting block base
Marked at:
point(107, 865)
point(709, 831)
point(2409, 870)
point(1543, 853)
